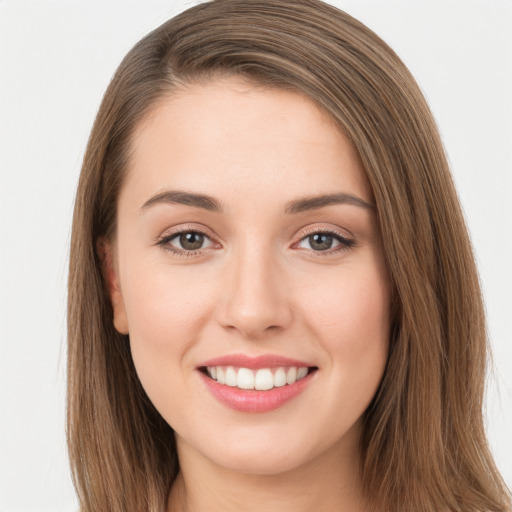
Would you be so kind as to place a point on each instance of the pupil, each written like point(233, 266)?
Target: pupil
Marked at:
point(320, 241)
point(191, 241)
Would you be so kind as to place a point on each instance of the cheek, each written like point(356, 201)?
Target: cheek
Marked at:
point(164, 303)
point(352, 321)
point(354, 306)
point(166, 312)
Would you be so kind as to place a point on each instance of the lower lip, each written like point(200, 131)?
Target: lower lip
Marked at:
point(252, 400)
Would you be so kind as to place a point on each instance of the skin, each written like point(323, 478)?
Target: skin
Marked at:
point(257, 286)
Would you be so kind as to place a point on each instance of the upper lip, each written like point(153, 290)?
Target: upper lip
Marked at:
point(263, 361)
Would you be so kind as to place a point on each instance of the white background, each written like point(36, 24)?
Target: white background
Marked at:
point(56, 59)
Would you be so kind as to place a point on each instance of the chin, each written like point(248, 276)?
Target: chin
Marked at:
point(268, 463)
point(271, 451)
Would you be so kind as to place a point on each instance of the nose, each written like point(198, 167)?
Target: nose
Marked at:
point(255, 299)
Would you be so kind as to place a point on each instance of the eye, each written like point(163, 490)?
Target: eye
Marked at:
point(186, 242)
point(325, 241)
point(190, 241)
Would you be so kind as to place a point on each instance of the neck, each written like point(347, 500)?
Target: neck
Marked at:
point(327, 483)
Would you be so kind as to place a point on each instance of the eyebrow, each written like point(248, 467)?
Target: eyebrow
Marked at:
point(187, 198)
point(317, 202)
point(209, 203)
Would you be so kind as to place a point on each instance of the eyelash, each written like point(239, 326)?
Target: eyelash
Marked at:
point(164, 242)
point(345, 243)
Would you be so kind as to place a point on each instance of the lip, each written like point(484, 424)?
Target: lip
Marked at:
point(254, 401)
point(254, 363)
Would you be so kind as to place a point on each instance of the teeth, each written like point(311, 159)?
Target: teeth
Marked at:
point(301, 373)
point(280, 378)
point(231, 379)
point(291, 376)
point(262, 379)
point(245, 379)
point(221, 376)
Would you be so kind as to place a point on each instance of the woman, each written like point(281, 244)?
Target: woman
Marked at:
point(272, 297)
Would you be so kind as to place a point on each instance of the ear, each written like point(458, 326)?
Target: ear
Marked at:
point(106, 254)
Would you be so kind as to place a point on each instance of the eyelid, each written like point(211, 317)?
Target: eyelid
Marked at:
point(170, 234)
point(346, 240)
point(322, 228)
point(185, 228)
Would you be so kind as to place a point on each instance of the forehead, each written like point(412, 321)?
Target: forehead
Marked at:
point(238, 140)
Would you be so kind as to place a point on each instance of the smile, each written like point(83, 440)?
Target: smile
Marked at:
point(256, 385)
point(262, 379)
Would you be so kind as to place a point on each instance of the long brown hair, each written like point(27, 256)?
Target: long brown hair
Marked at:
point(423, 445)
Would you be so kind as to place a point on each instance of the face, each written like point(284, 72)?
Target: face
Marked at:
point(248, 272)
